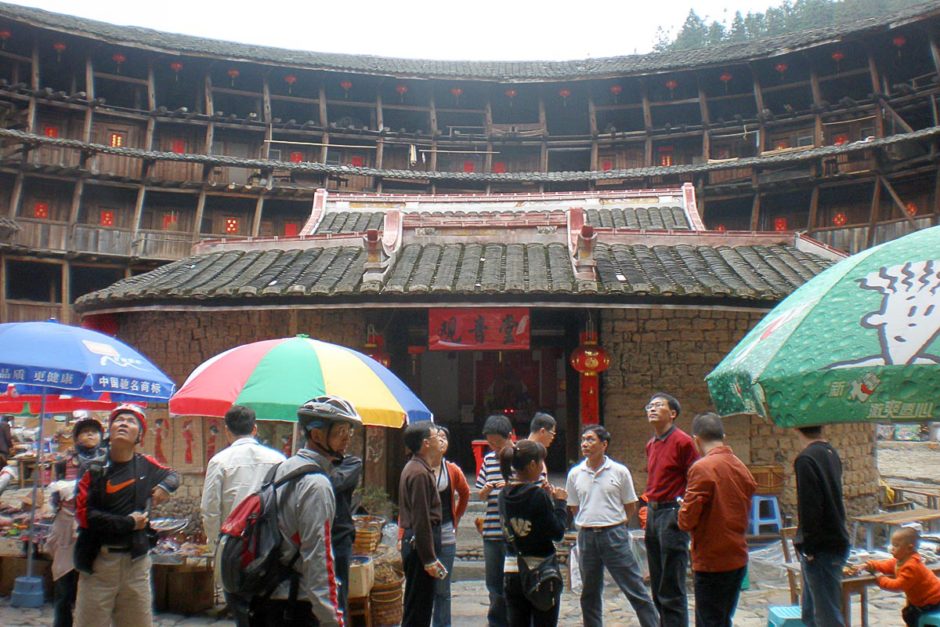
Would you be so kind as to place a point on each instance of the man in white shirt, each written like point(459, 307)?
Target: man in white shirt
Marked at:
point(602, 498)
point(236, 471)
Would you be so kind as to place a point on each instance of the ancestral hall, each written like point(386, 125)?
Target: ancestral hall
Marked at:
point(667, 200)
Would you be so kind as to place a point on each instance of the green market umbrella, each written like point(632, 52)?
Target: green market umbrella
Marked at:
point(859, 342)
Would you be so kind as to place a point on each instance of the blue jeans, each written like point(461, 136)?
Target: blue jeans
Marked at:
point(494, 554)
point(441, 616)
point(610, 547)
point(822, 589)
point(667, 552)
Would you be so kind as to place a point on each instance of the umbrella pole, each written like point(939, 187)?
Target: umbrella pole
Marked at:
point(37, 478)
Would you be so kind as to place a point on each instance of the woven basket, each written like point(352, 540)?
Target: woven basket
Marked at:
point(386, 600)
point(769, 478)
point(368, 534)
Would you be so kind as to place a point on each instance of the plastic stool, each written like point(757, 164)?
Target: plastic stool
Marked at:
point(930, 619)
point(765, 512)
point(785, 616)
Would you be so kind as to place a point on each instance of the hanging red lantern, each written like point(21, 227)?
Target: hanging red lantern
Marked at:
point(837, 56)
point(721, 228)
point(414, 352)
point(615, 91)
point(456, 92)
point(401, 89)
point(511, 94)
point(374, 347)
point(4, 35)
point(346, 85)
point(725, 78)
point(899, 42)
point(839, 219)
point(671, 85)
point(780, 224)
point(176, 66)
point(564, 92)
point(59, 48)
point(781, 69)
point(589, 360)
point(118, 59)
point(290, 79)
point(233, 74)
point(911, 208)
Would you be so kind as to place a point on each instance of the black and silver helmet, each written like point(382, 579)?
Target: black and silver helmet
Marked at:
point(322, 411)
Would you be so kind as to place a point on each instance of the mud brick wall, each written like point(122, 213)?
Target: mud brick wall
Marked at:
point(671, 350)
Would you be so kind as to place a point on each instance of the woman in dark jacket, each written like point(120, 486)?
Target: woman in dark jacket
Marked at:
point(533, 513)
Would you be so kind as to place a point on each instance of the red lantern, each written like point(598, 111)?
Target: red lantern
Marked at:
point(233, 74)
point(564, 92)
point(374, 345)
point(911, 208)
point(4, 35)
point(721, 228)
point(118, 59)
point(839, 219)
point(780, 224)
point(456, 92)
point(899, 41)
point(671, 85)
point(781, 69)
point(725, 78)
point(615, 91)
point(511, 93)
point(401, 90)
point(59, 48)
point(176, 66)
point(346, 85)
point(837, 56)
point(589, 360)
point(290, 79)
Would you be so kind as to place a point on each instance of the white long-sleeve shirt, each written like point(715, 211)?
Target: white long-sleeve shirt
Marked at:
point(233, 473)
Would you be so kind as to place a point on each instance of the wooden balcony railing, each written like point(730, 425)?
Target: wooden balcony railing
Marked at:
point(42, 234)
point(853, 239)
point(164, 245)
point(29, 311)
point(103, 240)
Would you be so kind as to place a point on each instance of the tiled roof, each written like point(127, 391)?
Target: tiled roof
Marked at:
point(782, 158)
point(423, 272)
point(174, 44)
point(637, 218)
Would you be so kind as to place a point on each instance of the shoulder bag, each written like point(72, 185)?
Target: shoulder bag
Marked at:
point(541, 583)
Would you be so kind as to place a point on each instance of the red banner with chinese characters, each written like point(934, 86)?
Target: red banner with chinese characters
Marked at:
point(498, 328)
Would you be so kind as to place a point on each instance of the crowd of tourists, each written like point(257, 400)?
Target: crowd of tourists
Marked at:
point(694, 510)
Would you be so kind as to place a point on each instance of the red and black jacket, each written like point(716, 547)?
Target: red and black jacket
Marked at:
point(105, 500)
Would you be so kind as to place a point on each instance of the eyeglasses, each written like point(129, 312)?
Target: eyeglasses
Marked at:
point(652, 406)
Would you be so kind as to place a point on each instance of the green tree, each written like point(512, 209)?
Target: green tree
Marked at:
point(738, 30)
point(693, 34)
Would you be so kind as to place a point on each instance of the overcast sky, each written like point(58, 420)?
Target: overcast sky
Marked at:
point(441, 29)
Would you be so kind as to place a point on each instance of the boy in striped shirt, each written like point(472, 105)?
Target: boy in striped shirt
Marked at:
point(497, 431)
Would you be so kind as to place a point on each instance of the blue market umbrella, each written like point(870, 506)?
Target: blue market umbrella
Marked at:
point(52, 358)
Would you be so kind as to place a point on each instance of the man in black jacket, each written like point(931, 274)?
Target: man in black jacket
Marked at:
point(347, 470)
point(112, 509)
point(821, 537)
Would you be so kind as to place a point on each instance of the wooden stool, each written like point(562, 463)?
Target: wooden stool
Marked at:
point(360, 606)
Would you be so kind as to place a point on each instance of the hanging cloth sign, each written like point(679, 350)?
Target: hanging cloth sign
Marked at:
point(498, 328)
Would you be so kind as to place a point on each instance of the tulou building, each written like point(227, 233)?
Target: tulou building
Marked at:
point(479, 226)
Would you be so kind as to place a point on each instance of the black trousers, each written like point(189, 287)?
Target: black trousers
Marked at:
point(667, 551)
point(419, 586)
point(63, 603)
point(911, 613)
point(716, 597)
point(281, 613)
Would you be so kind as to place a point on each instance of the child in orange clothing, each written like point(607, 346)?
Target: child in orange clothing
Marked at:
point(907, 573)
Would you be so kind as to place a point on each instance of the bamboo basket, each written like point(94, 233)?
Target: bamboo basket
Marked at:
point(368, 534)
point(386, 600)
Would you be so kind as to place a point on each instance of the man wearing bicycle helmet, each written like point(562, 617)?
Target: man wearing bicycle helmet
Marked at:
point(306, 507)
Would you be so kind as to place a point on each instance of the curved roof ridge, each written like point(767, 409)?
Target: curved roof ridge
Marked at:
point(506, 70)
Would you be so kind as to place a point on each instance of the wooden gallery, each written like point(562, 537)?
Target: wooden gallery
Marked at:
point(481, 226)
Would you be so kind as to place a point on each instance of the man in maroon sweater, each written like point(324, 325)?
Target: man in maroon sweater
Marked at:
point(669, 455)
point(714, 510)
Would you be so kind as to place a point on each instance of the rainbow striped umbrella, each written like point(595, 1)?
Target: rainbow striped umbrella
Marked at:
point(275, 377)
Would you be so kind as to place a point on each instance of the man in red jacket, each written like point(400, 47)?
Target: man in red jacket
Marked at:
point(714, 510)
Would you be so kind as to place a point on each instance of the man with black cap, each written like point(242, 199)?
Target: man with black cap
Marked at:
point(112, 509)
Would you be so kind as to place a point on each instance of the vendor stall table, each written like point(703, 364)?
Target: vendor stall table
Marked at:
point(183, 584)
point(895, 519)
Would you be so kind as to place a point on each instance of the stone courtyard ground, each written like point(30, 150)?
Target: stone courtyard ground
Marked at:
point(897, 461)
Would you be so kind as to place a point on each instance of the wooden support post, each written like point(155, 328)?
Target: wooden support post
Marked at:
point(138, 211)
point(200, 211)
point(76, 201)
point(324, 122)
point(543, 119)
point(706, 121)
point(897, 200)
point(379, 155)
point(543, 157)
point(592, 117)
point(34, 85)
point(433, 114)
point(813, 209)
point(488, 157)
point(755, 210)
point(207, 91)
point(66, 309)
point(151, 87)
point(266, 101)
point(935, 53)
point(16, 195)
point(256, 219)
point(873, 213)
point(433, 154)
point(379, 111)
point(90, 91)
point(874, 74)
point(647, 110)
point(897, 118)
